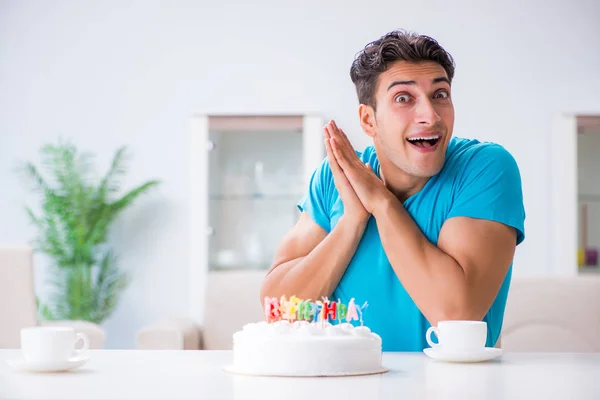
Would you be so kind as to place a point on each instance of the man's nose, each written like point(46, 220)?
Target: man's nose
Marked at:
point(425, 113)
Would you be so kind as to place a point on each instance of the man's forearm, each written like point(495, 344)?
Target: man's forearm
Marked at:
point(317, 274)
point(434, 280)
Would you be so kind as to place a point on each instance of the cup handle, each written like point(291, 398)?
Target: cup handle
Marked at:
point(78, 352)
point(428, 336)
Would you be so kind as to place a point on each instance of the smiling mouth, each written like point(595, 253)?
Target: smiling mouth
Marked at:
point(424, 142)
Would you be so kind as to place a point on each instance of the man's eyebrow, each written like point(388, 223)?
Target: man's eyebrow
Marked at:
point(441, 79)
point(401, 83)
point(434, 81)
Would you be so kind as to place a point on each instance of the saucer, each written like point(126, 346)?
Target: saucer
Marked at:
point(52, 366)
point(484, 354)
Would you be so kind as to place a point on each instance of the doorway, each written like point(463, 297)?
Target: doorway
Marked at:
point(575, 194)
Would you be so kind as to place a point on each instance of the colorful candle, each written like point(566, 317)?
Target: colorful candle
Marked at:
point(282, 306)
point(342, 310)
point(316, 310)
point(329, 309)
point(293, 308)
point(272, 309)
point(361, 309)
point(305, 311)
point(351, 313)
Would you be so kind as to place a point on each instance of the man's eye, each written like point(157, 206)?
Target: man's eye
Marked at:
point(441, 95)
point(402, 98)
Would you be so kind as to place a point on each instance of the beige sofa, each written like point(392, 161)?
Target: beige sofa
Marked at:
point(553, 314)
point(17, 301)
point(232, 300)
point(543, 314)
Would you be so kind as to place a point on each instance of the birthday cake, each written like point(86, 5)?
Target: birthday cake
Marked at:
point(304, 338)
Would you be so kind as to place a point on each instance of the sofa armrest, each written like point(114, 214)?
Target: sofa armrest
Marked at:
point(170, 334)
point(93, 331)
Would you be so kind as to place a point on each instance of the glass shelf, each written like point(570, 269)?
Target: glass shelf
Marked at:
point(589, 269)
point(255, 183)
point(589, 197)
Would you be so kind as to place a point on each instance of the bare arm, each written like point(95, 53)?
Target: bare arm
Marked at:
point(457, 279)
point(310, 263)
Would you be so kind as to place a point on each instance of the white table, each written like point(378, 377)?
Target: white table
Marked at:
point(134, 374)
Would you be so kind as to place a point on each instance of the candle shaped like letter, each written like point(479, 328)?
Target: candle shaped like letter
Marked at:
point(305, 311)
point(342, 310)
point(272, 309)
point(329, 309)
point(293, 308)
point(316, 310)
point(361, 309)
point(283, 305)
point(351, 313)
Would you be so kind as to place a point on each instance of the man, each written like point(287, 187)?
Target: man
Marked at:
point(421, 225)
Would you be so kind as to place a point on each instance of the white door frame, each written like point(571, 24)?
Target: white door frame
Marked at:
point(564, 192)
point(198, 170)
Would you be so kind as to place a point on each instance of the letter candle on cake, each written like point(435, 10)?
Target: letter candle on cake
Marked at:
point(351, 313)
point(316, 311)
point(272, 309)
point(342, 310)
point(360, 310)
point(329, 308)
point(319, 311)
point(306, 310)
point(291, 309)
point(283, 304)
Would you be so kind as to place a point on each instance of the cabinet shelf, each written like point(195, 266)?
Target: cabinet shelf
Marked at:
point(589, 197)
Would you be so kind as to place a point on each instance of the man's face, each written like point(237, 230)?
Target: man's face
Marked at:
point(414, 117)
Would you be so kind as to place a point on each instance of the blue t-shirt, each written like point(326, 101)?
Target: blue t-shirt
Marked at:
point(478, 180)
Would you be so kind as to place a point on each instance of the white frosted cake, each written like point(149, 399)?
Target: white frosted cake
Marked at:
point(304, 347)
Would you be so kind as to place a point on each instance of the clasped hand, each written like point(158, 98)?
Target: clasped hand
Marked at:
point(359, 187)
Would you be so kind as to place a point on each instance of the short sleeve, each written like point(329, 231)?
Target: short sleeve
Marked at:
point(317, 200)
point(490, 188)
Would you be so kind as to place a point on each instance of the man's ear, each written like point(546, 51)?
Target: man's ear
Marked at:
point(366, 115)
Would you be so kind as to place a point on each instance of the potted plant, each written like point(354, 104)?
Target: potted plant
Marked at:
point(77, 210)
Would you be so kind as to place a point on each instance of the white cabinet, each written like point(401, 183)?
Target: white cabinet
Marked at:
point(588, 191)
point(247, 174)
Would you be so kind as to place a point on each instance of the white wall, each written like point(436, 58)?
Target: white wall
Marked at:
point(123, 72)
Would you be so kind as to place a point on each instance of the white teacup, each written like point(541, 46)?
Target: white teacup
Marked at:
point(50, 344)
point(458, 336)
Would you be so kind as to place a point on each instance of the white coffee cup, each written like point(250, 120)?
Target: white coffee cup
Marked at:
point(458, 336)
point(48, 344)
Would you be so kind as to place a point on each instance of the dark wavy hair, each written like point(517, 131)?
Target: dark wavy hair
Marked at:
point(398, 45)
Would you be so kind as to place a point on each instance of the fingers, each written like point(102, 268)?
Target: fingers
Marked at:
point(326, 132)
point(335, 167)
point(346, 157)
point(340, 179)
point(342, 145)
point(341, 134)
point(331, 130)
point(340, 156)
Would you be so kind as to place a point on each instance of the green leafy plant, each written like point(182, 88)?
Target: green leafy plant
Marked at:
point(77, 211)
